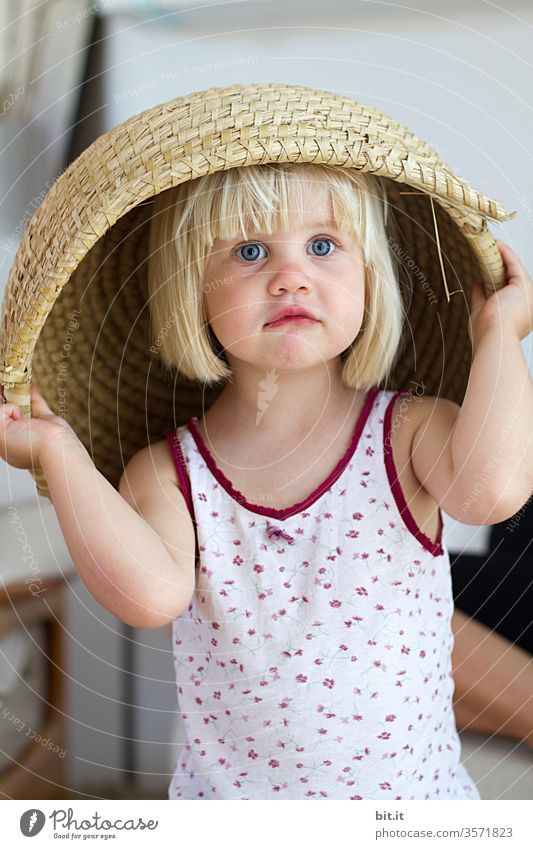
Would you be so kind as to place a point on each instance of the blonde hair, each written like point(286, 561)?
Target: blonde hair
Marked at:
point(187, 220)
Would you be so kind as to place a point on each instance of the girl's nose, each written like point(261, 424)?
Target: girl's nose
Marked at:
point(290, 277)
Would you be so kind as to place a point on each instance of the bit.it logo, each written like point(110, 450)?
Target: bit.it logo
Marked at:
point(31, 822)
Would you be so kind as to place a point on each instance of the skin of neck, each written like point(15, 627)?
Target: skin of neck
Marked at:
point(292, 402)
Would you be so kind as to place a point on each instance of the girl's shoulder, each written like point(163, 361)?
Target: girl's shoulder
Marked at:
point(154, 461)
point(428, 443)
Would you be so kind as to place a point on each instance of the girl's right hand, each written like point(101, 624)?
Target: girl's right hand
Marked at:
point(22, 439)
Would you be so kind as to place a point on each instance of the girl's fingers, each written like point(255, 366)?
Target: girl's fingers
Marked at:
point(510, 258)
point(38, 404)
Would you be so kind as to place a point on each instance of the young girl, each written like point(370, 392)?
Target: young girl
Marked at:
point(293, 534)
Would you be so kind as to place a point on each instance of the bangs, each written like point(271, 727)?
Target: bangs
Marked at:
point(264, 199)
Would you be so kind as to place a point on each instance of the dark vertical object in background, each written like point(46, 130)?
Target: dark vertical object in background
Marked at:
point(497, 589)
point(88, 121)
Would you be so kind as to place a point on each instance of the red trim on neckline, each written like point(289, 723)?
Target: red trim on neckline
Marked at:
point(285, 512)
point(436, 547)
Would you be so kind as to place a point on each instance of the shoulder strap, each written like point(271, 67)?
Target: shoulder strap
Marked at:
point(181, 468)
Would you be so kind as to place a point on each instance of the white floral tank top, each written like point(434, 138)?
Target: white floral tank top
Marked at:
point(314, 660)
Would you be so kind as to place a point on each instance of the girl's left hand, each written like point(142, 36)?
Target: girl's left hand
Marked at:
point(512, 304)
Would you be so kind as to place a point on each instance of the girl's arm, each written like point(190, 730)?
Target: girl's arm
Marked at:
point(493, 434)
point(142, 578)
point(476, 460)
point(492, 443)
point(140, 569)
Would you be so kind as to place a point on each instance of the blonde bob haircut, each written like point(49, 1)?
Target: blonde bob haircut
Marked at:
point(188, 218)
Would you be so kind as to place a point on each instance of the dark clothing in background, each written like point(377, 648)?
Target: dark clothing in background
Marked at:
point(497, 588)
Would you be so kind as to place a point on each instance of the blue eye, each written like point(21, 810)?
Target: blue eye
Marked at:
point(322, 246)
point(250, 251)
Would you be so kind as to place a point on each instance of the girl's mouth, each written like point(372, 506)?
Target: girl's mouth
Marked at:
point(292, 319)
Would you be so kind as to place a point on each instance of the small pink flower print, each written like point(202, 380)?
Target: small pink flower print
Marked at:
point(406, 650)
point(335, 603)
point(252, 754)
point(258, 568)
point(343, 647)
point(422, 653)
point(361, 591)
point(236, 542)
point(365, 555)
point(301, 679)
point(390, 717)
point(328, 515)
point(214, 514)
point(357, 717)
point(352, 534)
point(357, 516)
point(238, 561)
point(202, 496)
point(322, 730)
point(378, 607)
point(273, 763)
point(328, 682)
point(385, 786)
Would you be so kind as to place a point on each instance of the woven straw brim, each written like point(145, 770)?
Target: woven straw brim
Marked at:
point(87, 344)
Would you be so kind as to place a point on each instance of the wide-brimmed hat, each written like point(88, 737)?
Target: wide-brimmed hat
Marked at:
point(75, 315)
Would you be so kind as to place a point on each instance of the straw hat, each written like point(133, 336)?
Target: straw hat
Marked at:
point(76, 314)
